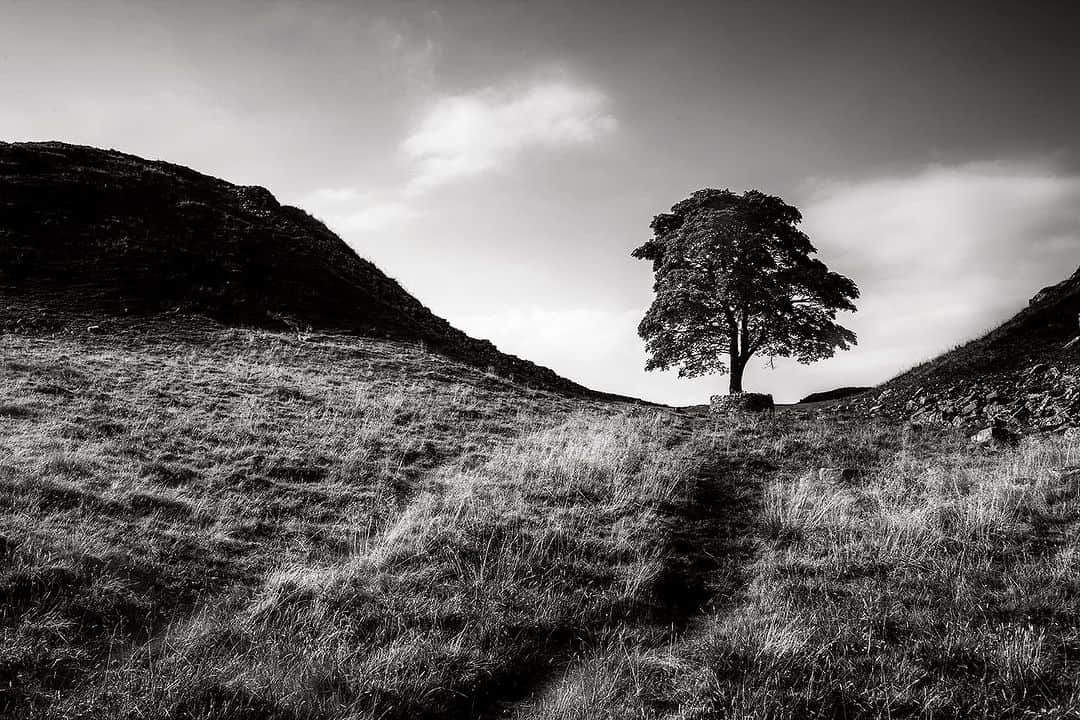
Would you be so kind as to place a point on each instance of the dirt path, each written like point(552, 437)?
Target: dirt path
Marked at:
point(712, 541)
point(711, 545)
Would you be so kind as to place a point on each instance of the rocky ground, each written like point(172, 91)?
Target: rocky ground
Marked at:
point(1023, 376)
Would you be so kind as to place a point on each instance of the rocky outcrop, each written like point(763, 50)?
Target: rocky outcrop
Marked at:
point(1044, 295)
point(1040, 397)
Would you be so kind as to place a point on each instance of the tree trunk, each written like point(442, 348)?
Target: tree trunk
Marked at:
point(735, 372)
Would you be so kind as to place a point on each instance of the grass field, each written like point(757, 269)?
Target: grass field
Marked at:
point(224, 523)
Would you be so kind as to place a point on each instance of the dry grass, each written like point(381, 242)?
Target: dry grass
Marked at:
point(251, 525)
point(943, 583)
point(243, 525)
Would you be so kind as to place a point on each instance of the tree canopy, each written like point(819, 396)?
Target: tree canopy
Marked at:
point(735, 277)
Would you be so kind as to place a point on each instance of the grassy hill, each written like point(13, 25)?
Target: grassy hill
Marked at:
point(87, 235)
point(199, 521)
point(237, 523)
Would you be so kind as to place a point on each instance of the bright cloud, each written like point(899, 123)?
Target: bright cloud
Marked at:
point(464, 135)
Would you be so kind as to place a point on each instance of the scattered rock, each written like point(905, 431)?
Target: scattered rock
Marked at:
point(994, 436)
point(1043, 396)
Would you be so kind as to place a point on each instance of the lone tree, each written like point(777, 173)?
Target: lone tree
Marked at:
point(735, 277)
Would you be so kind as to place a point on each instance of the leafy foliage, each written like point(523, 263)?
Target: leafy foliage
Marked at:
point(735, 277)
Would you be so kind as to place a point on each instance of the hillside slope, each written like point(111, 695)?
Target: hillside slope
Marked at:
point(87, 234)
point(205, 523)
point(1025, 373)
point(1038, 332)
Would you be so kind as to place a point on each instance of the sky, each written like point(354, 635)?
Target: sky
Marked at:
point(501, 159)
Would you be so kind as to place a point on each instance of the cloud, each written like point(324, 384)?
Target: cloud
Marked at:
point(415, 53)
point(941, 255)
point(465, 135)
point(347, 210)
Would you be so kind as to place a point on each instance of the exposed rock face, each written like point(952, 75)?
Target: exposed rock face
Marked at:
point(88, 234)
point(1042, 296)
point(745, 402)
point(1041, 397)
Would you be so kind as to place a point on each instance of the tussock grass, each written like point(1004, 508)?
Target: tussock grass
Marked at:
point(941, 585)
point(16, 410)
point(244, 525)
point(250, 526)
point(477, 580)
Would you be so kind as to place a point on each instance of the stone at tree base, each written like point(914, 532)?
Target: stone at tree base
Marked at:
point(744, 402)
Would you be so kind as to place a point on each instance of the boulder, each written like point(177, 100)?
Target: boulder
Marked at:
point(1042, 296)
point(994, 436)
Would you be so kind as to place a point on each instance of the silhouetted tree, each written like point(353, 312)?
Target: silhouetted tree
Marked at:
point(735, 277)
